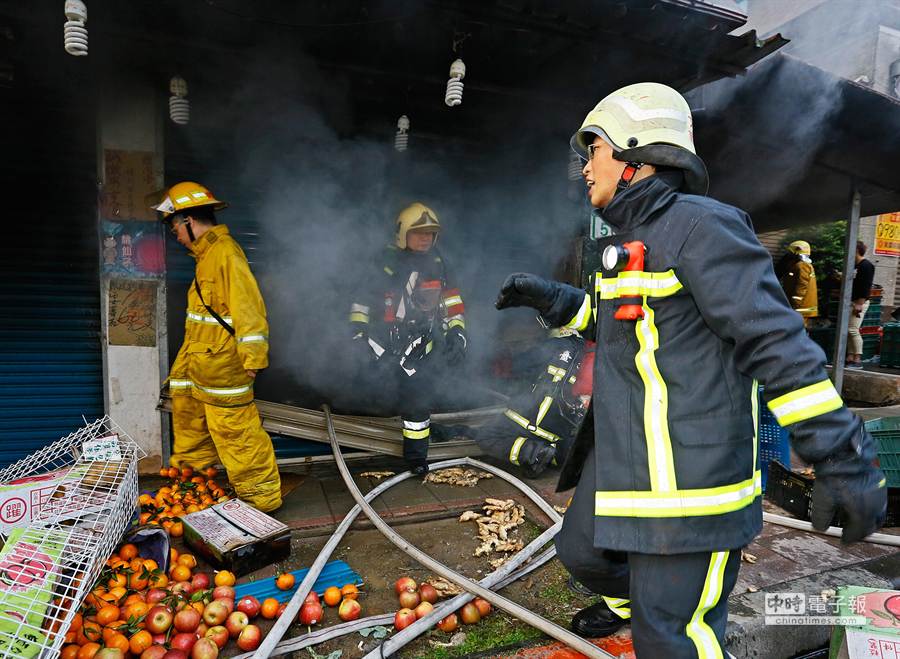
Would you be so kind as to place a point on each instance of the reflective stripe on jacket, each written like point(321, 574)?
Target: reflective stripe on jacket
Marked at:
point(677, 457)
point(212, 364)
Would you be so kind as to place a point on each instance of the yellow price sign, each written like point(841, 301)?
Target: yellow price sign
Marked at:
point(887, 234)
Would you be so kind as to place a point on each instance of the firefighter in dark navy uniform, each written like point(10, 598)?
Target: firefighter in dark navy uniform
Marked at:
point(402, 314)
point(688, 317)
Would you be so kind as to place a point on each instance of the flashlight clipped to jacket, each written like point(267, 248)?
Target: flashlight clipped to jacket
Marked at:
point(627, 257)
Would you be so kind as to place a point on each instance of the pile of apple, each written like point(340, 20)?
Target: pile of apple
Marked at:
point(136, 610)
point(312, 612)
point(417, 601)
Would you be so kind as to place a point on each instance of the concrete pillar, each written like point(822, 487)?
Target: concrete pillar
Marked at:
point(132, 262)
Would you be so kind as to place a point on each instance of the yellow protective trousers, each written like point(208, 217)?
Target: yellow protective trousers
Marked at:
point(233, 436)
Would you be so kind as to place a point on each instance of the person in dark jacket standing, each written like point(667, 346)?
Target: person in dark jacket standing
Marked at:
point(862, 288)
point(688, 317)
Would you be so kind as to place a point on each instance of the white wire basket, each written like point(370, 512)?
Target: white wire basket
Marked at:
point(48, 566)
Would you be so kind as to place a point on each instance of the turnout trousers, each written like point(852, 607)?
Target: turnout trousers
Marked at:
point(233, 436)
point(677, 603)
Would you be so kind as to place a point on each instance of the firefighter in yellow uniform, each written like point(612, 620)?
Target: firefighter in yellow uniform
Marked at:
point(226, 342)
point(799, 281)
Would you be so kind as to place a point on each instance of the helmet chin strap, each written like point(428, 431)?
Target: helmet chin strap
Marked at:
point(190, 231)
point(628, 174)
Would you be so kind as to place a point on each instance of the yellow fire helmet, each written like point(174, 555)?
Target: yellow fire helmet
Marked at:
point(650, 123)
point(416, 217)
point(187, 194)
point(800, 247)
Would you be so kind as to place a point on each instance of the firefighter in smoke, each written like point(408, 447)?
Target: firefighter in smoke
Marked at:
point(799, 280)
point(669, 489)
point(398, 316)
point(538, 427)
point(226, 343)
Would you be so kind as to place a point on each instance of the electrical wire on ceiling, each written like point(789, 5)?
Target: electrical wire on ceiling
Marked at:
point(268, 21)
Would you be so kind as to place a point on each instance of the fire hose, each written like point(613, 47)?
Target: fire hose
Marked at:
point(503, 576)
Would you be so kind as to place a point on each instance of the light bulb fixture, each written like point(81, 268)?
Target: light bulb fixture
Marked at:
point(455, 84)
point(179, 106)
point(576, 164)
point(401, 139)
point(75, 35)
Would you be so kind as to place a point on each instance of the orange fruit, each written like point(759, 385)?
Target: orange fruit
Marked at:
point(119, 641)
point(187, 560)
point(197, 479)
point(173, 555)
point(193, 508)
point(224, 578)
point(269, 608)
point(211, 472)
point(117, 580)
point(174, 472)
point(88, 650)
point(136, 610)
point(77, 622)
point(132, 599)
point(180, 573)
point(107, 614)
point(187, 472)
point(144, 518)
point(70, 637)
point(140, 642)
point(159, 581)
point(176, 530)
point(284, 581)
point(69, 652)
point(119, 593)
point(350, 592)
point(91, 631)
point(150, 564)
point(145, 499)
point(333, 596)
point(128, 551)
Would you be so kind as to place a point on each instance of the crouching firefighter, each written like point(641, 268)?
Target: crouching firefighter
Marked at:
point(538, 427)
point(400, 312)
point(688, 317)
point(226, 342)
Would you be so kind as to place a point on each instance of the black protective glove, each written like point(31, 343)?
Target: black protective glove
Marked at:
point(415, 455)
point(524, 290)
point(455, 344)
point(860, 497)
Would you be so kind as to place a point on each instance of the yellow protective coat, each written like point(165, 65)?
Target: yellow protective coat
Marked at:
point(214, 417)
point(799, 284)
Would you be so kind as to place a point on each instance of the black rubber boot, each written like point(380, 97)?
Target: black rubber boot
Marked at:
point(597, 621)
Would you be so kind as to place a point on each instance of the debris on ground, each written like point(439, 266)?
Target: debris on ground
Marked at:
point(747, 557)
point(561, 509)
point(377, 474)
point(496, 528)
point(456, 640)
point(457, 476)
point(444, 587)
point(752, 589)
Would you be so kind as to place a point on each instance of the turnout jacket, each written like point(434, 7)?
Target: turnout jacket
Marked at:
point(212, 363)
point(405, 297)
point(675, 393)
point(799, 285)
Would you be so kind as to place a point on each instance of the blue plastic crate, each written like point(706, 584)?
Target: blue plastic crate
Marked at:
point(774, 441)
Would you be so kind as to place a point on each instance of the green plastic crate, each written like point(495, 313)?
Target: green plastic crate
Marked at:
point(886, 432)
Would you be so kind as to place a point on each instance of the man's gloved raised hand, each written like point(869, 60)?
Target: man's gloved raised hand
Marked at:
point(850, 483)
point(455, 344)
point(524, 290)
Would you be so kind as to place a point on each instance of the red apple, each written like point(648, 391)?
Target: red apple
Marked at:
point(154, 595)
point(181, 587)
point(423, 609)
point(449, 624)
point(249, 605)
point(281, 608)
point(205, 648)
point(312, 597)
point(311, 613)
point(215, 613)
point(175, 654)
point(223, 593)
point(404, 618)
point(428, 593)
point(187, 620)
point(200, 581)
point(409, 599)
point(236, 622)
point(160, 639)
point(469, 614)
point(184, 641)
point(404, 583)
point(219, 635)
point(159, 619)
point(250, 638)
point(201, 630)
point(349, 610)
point(155, 651)
point(229, 604)
point(483, 606)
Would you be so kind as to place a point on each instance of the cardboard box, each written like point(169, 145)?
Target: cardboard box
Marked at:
point(21, 500)
point(235, 536)
point(880, 637)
